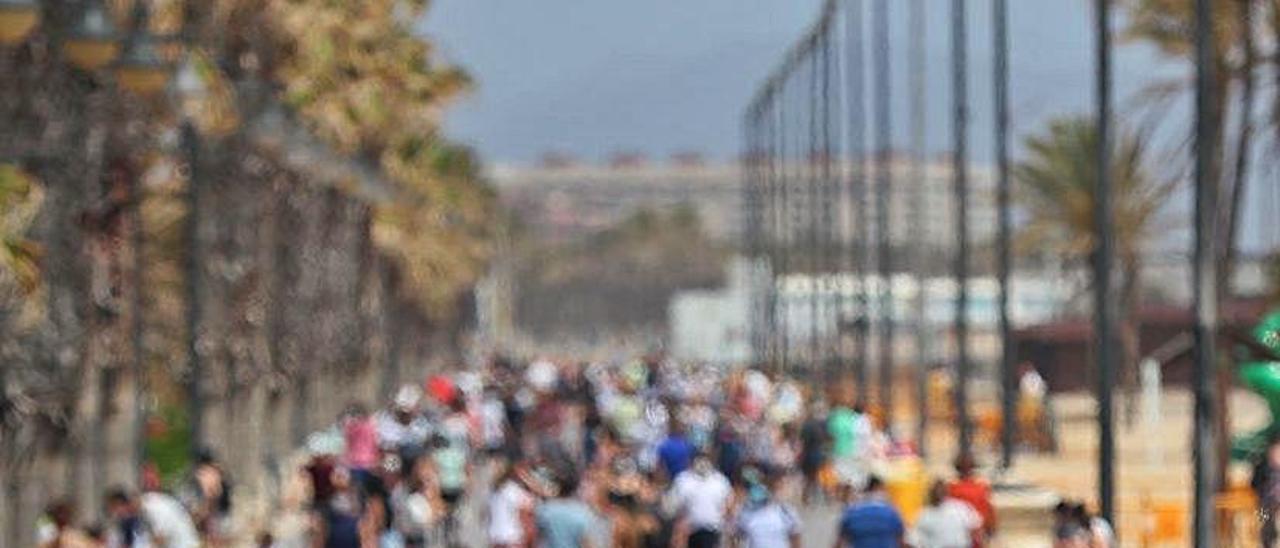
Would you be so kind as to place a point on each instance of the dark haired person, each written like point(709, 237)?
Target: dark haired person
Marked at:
point(151, 519)
point(871, 522)
point(947, 522)
point(61, 531)
point(207, 495)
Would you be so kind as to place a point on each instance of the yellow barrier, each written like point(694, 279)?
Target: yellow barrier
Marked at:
point(907, 485)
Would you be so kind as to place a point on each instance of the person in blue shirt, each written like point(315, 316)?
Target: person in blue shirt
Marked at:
point(675, 453)
point(871, 522)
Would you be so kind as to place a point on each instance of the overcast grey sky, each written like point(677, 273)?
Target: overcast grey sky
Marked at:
point(591, 77)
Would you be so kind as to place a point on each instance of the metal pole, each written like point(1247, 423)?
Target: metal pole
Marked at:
point(786, 225)
point(960, 176)
point(1205, 278)
point(919, 108)
point(1000, 14)
point(827, 196)
point(884, 201)
point(771, 232)
point(1104, 250)
point(750, 227)
point(811, 209)
point(857, 174)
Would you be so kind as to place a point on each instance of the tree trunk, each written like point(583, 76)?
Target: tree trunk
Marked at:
point(1229, 219)
point(1275, 73)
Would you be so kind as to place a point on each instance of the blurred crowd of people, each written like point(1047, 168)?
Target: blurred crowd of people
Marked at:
point(196, 514)
point(643, 453)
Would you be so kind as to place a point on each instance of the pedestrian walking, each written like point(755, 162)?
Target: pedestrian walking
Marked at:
point(947, 522)
point(452, 470)
point(675, 453)
point(335, 522)
point(975, 491)
point(703, 496)
point(151, 520)
point(57, 528)
point(765, 521)
point(565, 521)
point(360, 433)
point(1097, 529)
point(871, 522)
point(511, 509)
point(403, 430)
point(206, 493)
point(849, 429)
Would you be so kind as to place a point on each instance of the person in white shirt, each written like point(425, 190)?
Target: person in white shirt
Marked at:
point(765, 521)
point(510, 511)
point(702, 497)
point(947, 522)
point(166, 522)
point(1030, 384)
point(403, 429)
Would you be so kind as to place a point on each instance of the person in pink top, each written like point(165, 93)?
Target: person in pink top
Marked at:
point(361, 435)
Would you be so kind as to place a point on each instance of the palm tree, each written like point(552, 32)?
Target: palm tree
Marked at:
point(1240, 29)
point(20, 198)
point(1169, 26)
point(19, 268)
point(1056, 191)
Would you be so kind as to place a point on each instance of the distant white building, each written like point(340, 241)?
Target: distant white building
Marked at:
point(713, 326)
point(568, 199)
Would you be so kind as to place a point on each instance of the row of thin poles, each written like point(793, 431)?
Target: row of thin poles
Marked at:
point(808, 157)
point(1204, 273)
point(793, 186)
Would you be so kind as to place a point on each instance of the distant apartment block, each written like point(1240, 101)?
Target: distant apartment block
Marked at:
point(563, 198)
